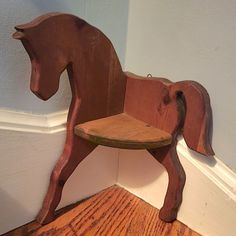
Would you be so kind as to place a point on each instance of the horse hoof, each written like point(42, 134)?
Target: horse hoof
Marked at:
point(168, 215)
point(45, 218)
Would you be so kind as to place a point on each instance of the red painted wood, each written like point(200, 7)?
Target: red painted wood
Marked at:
point(56, 42)
point(197, 129)
point(149, 99)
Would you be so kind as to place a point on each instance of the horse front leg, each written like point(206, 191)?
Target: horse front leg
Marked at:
point(76, 149)
point(168, 157)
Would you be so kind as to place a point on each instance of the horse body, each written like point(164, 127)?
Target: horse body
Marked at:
point(100, 88)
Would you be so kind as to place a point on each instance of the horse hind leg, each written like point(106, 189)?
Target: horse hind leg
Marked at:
point(168, 157)
point(73, 154)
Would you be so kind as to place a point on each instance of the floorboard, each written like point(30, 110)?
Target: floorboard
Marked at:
point(113, 211)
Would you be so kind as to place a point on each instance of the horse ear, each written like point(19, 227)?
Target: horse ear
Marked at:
point(20, 32)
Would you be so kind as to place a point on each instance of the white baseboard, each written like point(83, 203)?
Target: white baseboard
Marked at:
point(214, 169)
point(28, 122)
point(30, 146)
point(209, 198)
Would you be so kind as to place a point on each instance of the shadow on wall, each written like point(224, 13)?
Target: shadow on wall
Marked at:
point(145, 169)
point(70, 6)
point(95, 173)
point(139, 168)
point(209, 161)
point(110, 16)
point(17, 209)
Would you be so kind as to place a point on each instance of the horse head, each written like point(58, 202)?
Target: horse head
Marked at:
point(58, 41)
point(50, 49)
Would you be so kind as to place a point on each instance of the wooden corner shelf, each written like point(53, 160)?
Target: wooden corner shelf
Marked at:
point(100, 88)
point(123, 131)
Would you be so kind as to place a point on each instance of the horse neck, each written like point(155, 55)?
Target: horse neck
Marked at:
point(97, 80)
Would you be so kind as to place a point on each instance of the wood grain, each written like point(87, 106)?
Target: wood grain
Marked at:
point(123, 131)
point(150, 101)
point(113, 211)
point(55, 42)
point(197, 129)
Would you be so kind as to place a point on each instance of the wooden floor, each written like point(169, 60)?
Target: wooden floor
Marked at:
point(113, 211)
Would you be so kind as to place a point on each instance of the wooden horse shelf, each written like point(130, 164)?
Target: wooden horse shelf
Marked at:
point(110, 107)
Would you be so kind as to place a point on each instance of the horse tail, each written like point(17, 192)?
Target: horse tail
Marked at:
point(197, 126)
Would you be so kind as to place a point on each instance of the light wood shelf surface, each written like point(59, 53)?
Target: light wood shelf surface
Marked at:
point(123, 131)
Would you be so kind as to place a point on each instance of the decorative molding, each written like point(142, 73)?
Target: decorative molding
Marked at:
point(36, 123)
point(213, 169)
point(217, 172)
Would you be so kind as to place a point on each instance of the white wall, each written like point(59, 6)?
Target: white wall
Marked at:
point(109, 15)
point(190, 40)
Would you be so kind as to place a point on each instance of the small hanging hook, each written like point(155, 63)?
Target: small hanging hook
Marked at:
point(149, 75)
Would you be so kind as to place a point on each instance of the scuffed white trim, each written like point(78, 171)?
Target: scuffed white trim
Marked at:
point(27, 122)
point(209, 197)
point(216, 171)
